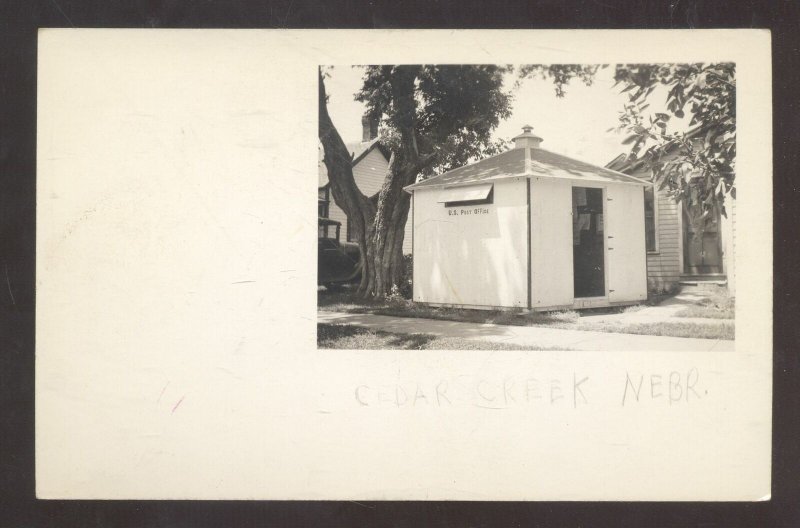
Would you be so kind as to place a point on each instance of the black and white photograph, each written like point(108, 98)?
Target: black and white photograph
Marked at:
point(550, 280)
point(527, 206)
point(403, 265)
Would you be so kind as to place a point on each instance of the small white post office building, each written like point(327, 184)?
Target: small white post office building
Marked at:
point(531, 229)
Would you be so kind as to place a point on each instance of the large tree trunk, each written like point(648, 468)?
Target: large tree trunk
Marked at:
point(378, 221)
point(386, 242)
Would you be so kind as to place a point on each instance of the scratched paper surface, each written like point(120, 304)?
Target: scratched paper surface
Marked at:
point(176, 297)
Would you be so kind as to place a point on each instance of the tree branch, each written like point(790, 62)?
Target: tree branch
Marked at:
point(405, 119)
point(338, 160)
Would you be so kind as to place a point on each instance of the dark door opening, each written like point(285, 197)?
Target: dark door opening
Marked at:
point(702, 245)
point(588, 243)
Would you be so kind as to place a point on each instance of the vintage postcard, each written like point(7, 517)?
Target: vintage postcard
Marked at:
point(539, 266)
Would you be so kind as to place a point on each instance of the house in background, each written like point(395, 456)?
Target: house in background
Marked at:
point(676, 254)
point(370, 166)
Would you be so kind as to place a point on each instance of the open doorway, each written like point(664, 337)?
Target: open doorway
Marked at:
point(588, 243)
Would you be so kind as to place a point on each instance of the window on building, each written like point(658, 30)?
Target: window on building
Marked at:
point(351, 235)
point(650, 219)
point(323, 203)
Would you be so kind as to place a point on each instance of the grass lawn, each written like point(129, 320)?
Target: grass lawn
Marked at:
point(718, 305)
point(570, 320)
point(671, 329)
point(344, 302)
point(352, 337)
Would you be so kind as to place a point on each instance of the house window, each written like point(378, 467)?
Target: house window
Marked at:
point(323, 203)
point(467, 195)
point(650, 208)
point(351, 235)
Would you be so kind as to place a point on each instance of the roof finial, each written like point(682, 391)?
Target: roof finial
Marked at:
point(527, 138)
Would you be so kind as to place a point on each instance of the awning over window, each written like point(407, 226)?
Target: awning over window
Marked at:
point(328, 221)
point(467, 193)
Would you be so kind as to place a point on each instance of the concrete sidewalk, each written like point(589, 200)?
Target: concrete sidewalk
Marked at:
point(661, 313)
point(527, 335)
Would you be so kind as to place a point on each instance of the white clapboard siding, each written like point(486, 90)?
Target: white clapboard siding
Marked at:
point(409, 231)
point(729, 242)
point(664, 265)
point(732, 253)
point(335, 213)
point(370, 172)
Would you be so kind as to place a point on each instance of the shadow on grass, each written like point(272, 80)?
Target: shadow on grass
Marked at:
point(333, 336)
point(354, 337)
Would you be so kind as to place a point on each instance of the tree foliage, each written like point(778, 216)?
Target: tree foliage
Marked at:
point(561, 74)
point(455, 109)
point(457, 106)
point(697, 166)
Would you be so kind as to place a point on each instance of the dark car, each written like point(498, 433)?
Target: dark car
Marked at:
point(337, 262)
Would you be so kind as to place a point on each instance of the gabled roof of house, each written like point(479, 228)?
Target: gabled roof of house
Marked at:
point(358, 149)
point(528, 162)
point(624, 163)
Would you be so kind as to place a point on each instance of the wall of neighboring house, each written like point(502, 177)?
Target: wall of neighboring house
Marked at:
point(664, 265)
point(369, 174)
point(335, 213)
point(729, 243)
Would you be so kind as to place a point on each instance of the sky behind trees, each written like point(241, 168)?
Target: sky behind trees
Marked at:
point(575, 125)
